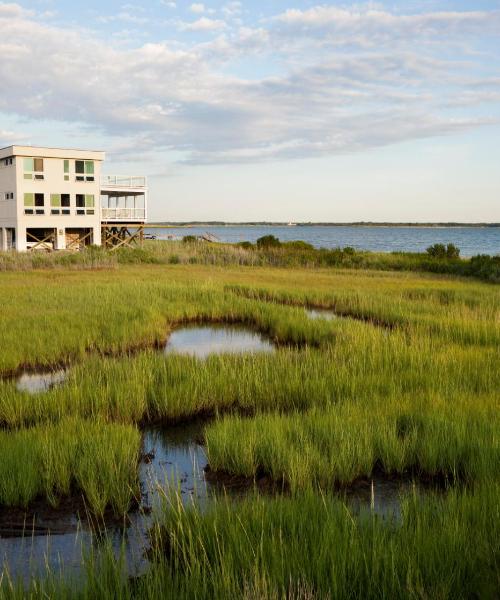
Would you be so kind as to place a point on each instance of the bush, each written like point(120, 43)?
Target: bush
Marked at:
point(349, 250)
point(245, 245)
point(442, 251)
point(298, 245)
point(189, 239)
point(485, 267)
point(268, 241)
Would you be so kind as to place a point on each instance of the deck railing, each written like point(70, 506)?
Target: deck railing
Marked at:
point(132, 181)
point(123, 214)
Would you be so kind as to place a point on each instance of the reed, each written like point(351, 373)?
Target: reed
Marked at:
point(333, 448)
point(302, 547)
point(72, 457)
point(60, 317)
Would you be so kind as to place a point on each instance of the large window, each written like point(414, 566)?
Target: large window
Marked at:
point(34, 204)
point(84, 170)
point(33, 168)
point(85, 204)
point(59, 204)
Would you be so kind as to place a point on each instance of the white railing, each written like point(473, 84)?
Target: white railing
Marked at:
point(133, 181)
point(123, 214)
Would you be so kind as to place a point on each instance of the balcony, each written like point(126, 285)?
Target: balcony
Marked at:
point(123, 181)
point(123, 214)
point(124, 199)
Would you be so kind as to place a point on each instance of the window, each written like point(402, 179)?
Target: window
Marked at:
point(9, 195)
point(7, 161)
point(85, 204)
point(34, 204)
point(33, 168)
point(84, 170)
point(59, 204)
point(66, 170)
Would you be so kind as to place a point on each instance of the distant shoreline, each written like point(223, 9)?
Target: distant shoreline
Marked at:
point(311, 224)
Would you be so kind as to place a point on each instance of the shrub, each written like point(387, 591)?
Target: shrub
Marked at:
point(485, 267)
point(268, 241)
point(437, 251)
point(298, 245)
point(189, 239)
point(442, 251)
point(245, 245)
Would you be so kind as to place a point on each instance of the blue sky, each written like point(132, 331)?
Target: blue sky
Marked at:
point(236, 110)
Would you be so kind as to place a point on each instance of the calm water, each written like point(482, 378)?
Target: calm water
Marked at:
point(203, 340)
point(37, 383)
point(470, 240)
point(59, 540)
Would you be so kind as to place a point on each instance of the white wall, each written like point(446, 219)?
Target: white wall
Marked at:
point(12, 212)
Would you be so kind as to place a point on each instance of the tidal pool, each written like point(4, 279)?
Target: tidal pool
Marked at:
point(36, 383)
point(321, 313)
point(174, 459)
point(203, 340)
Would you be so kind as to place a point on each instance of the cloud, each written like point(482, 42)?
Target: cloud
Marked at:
point(7, 138)
point(203, 24)
point(197, 8)
point(232, 9)
point(304, 97)
point(123, 16)
point(14, 11)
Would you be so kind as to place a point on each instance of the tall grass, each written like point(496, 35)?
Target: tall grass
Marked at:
point(72, 457)
point(303, 547)
point(49, 318)
point(407, 381)
point(363, 365)
point(335, 447)
point(291, 256)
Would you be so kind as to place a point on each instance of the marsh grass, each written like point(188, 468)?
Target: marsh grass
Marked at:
point(363, 366)
point(407, 382)
point(333, 448)
point(302, 547)
point(71, 457)
point(292, 255)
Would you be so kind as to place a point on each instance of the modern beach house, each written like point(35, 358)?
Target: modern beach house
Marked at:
point(57, 199)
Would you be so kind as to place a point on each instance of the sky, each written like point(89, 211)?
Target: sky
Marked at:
point(268, 110)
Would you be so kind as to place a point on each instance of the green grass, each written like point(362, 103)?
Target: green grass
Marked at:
point(303, 547)
point(335, 447)
point(73, 457)
point(407, 380)
point(291, 255)
point(363, 366)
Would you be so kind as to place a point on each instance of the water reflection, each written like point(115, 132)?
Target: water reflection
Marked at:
point(321, 313)
point(203, 340)
point(36, 383)
point(174, 460)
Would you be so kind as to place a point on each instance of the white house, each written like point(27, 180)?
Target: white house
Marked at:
point(55, 199)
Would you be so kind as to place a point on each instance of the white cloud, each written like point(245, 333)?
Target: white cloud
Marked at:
point(203, 24)
point(197, 8)
point(123, 16)
point(321, 100)
point(11, 137)
point(232, 9)
point(375, 25)
point(14, 11)
point(169, 4)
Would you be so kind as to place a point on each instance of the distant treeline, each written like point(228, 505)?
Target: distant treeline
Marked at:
point(314, 224)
